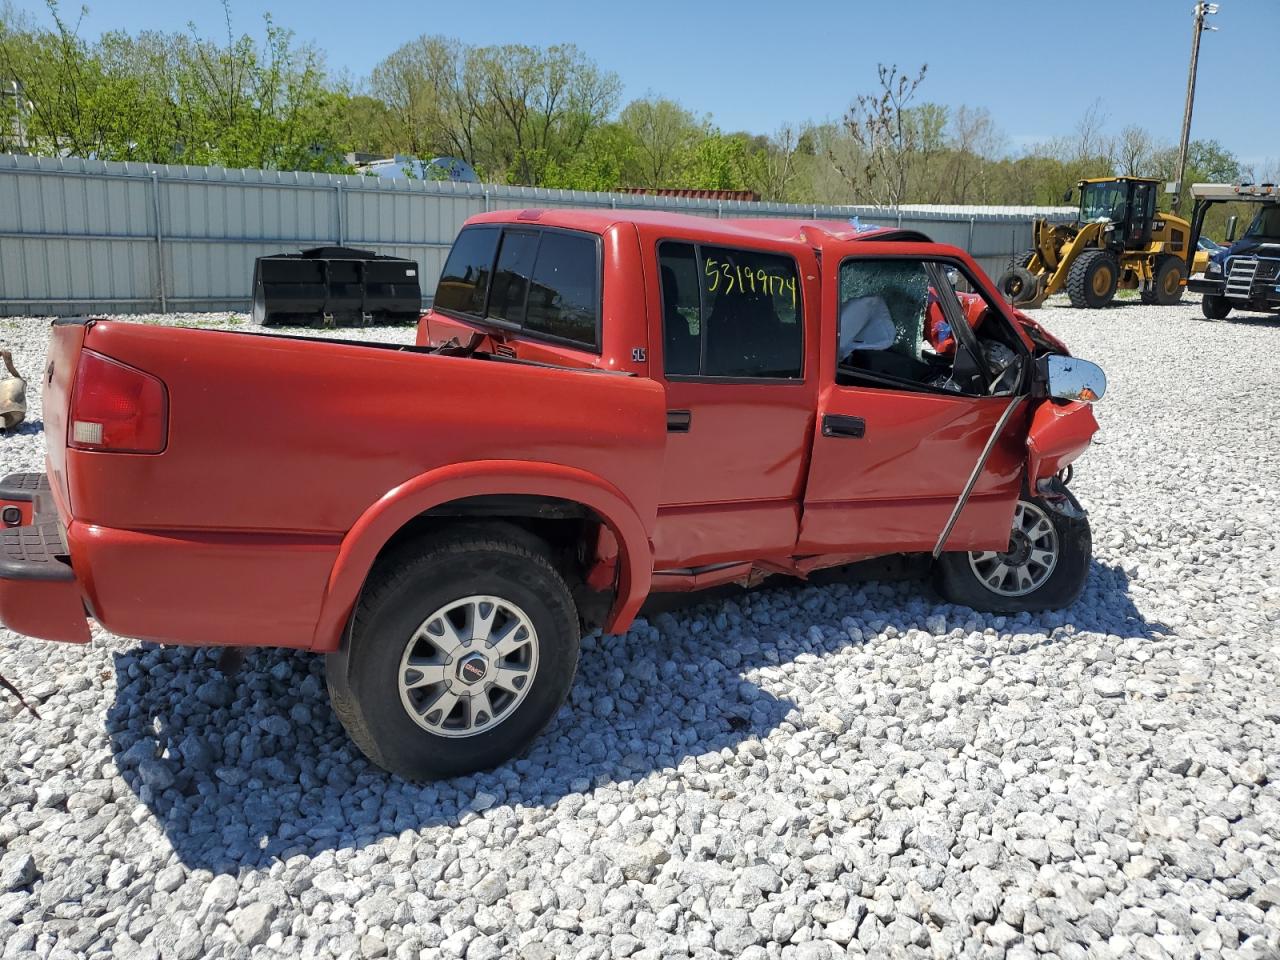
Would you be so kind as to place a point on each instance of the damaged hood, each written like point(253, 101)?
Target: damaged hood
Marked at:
point(1039, 335)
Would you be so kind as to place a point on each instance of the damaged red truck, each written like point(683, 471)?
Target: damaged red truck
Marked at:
point(601, 405)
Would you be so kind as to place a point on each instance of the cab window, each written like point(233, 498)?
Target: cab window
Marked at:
point(544, 281)
point(730, 313)
point(899, 328)
point(564, 295)
point(511, 278)
point(464, 282)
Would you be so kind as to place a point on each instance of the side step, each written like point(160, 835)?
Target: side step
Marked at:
point(23, 486)
point(35, 552)
point(19, 493)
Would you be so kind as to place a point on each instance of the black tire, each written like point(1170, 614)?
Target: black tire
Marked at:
point(1022, 259)
point(957, 580)
point(1166, 286)
point(400, 595)
point(1215, 307)
point(1092, 279)
point(1018, 285)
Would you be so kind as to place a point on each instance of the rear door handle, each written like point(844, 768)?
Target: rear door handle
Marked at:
point(678, 421)
point(849, 428)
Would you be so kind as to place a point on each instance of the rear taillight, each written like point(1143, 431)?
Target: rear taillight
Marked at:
point(116, 407)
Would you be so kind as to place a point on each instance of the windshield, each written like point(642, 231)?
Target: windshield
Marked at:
point(1103, 200)
point(1266, 223)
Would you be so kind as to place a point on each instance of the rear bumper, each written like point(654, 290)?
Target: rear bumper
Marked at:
point(39, 594)
point(197, 587)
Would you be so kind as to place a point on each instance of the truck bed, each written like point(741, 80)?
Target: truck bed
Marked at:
point(277, 446)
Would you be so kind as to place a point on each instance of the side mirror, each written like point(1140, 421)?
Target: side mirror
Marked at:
point(1071, 378)
point(1231, 229)
point(1066, 197)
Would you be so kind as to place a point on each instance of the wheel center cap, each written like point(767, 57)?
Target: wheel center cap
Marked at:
point(1019, 549)
point(472, 669)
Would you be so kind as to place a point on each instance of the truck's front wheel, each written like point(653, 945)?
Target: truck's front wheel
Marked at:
point(1215, 307)
point(459, 654)
point(1044, 568)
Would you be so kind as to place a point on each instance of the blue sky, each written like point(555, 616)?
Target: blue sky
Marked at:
point(753, 65)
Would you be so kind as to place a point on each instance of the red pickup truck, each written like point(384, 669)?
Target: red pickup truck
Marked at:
point(600, 405)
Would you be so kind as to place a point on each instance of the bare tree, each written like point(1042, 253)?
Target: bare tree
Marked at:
point(880, 125)
point(1135, 152)
point(776, 168)
point(974, 141)
point(1090, 142)
point(1264, 171)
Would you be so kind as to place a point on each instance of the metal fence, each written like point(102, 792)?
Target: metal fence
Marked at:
point(81, 236)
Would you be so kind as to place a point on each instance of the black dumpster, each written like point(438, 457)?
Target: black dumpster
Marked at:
point(335, 287)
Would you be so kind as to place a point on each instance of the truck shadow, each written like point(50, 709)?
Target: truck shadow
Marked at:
point(1234, 319)
point(245, 770)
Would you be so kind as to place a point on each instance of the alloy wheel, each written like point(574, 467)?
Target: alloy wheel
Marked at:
point(468, 666)
point(1030, 559)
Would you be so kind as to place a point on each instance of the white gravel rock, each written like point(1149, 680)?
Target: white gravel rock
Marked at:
point(823, 770)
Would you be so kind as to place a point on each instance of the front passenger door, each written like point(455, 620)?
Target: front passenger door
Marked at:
point(905, 415)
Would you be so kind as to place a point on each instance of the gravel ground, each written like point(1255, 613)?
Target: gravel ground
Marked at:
point(808, 772)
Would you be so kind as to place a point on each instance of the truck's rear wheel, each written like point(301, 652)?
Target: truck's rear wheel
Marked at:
point(1215, 307)
point(1092, 279)
point(459, 654)
point(1166, 285)
point(1044, 568)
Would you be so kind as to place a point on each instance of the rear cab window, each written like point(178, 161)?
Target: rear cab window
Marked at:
point(464, 282)
point(544, 282)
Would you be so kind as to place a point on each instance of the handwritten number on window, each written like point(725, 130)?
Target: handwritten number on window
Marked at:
point(735, 277)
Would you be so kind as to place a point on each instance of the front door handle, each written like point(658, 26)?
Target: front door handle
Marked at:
point(838, 425)
point(678, 421)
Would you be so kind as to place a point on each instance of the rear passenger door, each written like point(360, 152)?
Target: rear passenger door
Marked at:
point(732, 338)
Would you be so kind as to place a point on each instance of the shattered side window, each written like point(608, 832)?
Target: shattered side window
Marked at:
point(902, 286)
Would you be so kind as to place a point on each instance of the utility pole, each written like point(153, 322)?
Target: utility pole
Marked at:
point(18, 132)
point(1201, 11)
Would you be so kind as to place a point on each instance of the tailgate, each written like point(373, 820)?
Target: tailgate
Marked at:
point(65, 344)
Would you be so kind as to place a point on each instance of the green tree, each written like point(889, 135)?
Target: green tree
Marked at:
point(536, 106)
point(174, 98)
point(717, 162)
point(607, 152)
point(664, 135)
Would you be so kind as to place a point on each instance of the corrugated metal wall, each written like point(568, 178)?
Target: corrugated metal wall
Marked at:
point(81, 236)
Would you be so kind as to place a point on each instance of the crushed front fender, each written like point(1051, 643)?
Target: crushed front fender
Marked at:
point(1058, 434)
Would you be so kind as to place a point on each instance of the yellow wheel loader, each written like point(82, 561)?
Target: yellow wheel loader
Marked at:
point(1118, 242)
